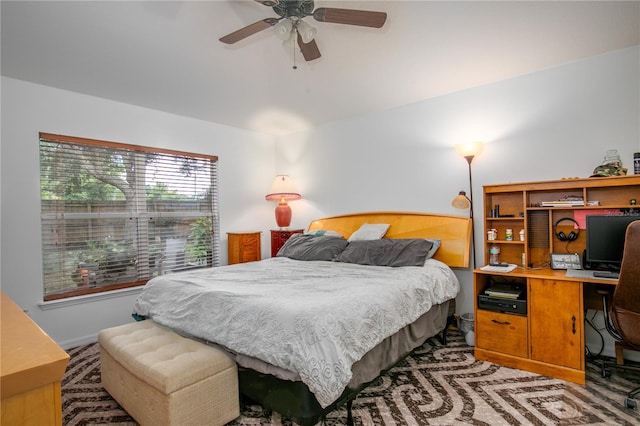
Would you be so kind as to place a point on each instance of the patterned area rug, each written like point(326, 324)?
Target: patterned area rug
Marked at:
point(435, 385)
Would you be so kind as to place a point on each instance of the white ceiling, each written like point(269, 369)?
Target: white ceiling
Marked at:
point(166, 55)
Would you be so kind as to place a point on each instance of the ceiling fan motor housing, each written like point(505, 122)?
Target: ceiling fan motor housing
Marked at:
point(294, 8)
point(289, 23)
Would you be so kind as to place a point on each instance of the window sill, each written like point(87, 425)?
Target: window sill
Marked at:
point(96, 297)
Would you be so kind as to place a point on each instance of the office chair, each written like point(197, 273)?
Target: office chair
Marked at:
point(622, 318)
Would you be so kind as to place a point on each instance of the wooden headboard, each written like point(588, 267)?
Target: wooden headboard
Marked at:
point(453, 231)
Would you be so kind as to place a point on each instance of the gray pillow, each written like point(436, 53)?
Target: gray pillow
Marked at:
point(387, 252)
point(312, 247)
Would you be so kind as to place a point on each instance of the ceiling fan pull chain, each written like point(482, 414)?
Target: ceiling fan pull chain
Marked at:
point(295, 36)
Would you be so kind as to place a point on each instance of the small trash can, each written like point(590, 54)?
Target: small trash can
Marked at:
point(466, 328)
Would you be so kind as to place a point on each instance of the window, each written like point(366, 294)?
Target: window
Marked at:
point(116, 215)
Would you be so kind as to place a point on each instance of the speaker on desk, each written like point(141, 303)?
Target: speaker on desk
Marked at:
point(572, 236)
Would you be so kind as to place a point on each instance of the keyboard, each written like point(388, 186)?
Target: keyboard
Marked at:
point(579, 273)
point(583, 273)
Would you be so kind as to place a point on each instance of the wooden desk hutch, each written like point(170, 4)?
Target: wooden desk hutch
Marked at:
point(549, 338)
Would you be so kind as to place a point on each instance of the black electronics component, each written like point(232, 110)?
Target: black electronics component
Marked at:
point(504, 296)
point(507, 290)
point(502, 304)
point(606, 274)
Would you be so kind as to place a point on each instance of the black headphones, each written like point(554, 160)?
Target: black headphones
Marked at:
point(572, 235)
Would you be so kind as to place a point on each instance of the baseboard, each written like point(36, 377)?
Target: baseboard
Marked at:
point(79, 341)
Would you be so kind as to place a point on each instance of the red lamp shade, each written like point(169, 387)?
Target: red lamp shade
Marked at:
point(283, 189)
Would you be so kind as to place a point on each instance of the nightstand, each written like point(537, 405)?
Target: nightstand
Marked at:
point(243, 247)
point(279, 237)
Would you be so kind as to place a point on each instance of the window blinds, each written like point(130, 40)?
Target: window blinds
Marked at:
point(116, 215)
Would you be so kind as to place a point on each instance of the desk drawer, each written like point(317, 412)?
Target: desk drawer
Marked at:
point(500, 332)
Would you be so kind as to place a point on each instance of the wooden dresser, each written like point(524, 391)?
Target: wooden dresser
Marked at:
point(243, 247)
point(31, 369)
point(279, 237)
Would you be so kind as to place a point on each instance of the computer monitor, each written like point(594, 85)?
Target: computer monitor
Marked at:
point(605, 240)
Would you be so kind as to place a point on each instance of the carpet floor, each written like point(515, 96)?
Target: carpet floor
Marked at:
point(436, 385)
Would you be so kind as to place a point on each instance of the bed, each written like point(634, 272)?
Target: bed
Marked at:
point(338, 306)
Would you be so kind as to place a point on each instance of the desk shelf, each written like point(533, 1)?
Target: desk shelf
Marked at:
point(521, 201)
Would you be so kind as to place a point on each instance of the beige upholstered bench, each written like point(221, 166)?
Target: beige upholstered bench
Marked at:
point(161, 378)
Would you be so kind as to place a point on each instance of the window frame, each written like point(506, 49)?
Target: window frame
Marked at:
point(140, 240)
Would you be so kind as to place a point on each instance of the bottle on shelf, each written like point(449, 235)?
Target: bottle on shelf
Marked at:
point(494, 254)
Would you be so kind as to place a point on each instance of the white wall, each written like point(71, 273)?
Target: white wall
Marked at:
point(546, 125)
point(246, 168)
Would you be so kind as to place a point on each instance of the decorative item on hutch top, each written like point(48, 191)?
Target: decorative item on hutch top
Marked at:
point(611, 166)
point(283, 189)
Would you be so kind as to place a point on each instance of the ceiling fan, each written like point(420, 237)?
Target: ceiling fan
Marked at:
point(291, 28)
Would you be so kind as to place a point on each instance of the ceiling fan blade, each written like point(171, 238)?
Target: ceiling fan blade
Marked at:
point(363, 18)
point(249, 30)
point(309, 50)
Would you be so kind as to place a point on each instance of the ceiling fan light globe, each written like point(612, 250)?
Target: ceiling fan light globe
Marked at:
point(283, 29)
point(307, 32)
point(291, 41)
point(308, 36)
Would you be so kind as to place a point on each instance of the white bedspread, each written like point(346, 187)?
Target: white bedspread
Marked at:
point(313, 318)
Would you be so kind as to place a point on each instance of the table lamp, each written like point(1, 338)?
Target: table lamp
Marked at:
point(282, 190)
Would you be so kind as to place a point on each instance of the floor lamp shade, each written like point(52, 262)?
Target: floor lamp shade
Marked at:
point(461, 201)
point(283, 190)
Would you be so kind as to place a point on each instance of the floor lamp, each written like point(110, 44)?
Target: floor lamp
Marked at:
point(461, 201)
